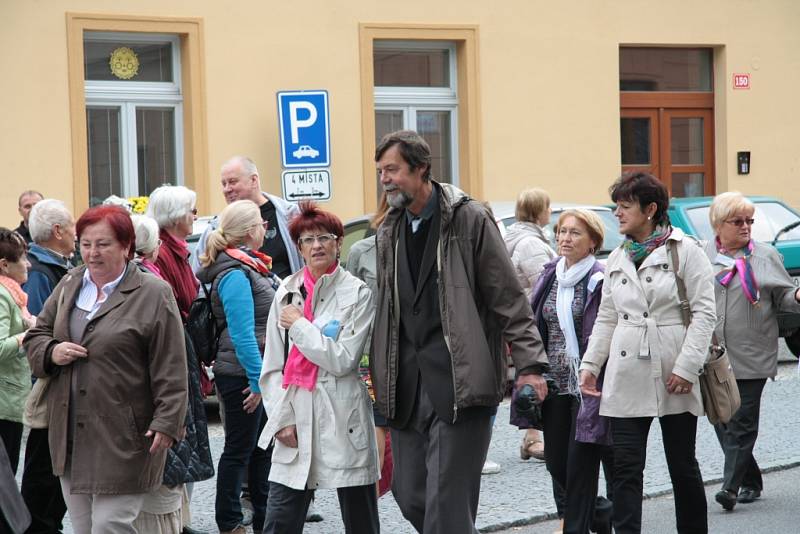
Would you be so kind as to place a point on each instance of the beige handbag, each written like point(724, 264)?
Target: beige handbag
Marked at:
point(717, 383)
point(35, 414)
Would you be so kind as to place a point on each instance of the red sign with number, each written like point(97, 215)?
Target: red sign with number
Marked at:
point(741, 81)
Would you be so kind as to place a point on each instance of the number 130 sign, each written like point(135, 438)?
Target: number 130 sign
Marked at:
point(741, 81)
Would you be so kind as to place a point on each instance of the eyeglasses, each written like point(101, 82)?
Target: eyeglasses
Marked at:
point(264, 224)
point(194, 211)
point(323, 239)
point(159, 243)
point(740, 222)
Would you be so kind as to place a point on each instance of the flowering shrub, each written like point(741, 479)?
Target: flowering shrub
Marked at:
point(139, 204)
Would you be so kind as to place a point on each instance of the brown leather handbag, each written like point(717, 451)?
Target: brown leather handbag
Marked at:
point(717, 382)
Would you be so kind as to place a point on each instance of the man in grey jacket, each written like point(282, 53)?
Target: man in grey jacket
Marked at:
point(240, 181)
point(449, 306)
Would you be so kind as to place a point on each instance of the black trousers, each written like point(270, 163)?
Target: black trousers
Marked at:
point(287, 508)
point(11, 432)
point(437, 469)
point(738, 438)
point(630, 451)
point(40, 487)
point(574, 466)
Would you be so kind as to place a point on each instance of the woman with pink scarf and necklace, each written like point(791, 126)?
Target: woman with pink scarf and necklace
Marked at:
point(15, 374)
point(751, 287)
point(320, 413)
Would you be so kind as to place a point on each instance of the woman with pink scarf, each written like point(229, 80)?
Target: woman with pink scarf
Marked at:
point(320, 413)
point(15, 375)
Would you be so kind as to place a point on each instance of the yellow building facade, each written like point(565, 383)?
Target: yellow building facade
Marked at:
point(557, 95)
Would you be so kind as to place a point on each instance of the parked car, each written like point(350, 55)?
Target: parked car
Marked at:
point(775, 223)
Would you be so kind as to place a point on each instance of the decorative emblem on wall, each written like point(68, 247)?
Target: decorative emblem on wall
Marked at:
point(124, 63)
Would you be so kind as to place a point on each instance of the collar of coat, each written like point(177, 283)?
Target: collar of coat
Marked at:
point(450, 198)
point(619, 260)
point(339, 280)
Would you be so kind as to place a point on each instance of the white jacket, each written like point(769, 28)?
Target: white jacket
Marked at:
point(529, 251)
point(335, 427)
point(639, 332)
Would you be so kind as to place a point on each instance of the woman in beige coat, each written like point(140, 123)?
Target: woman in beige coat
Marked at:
point(320, 413)
point(652, 360)
point(110, 339)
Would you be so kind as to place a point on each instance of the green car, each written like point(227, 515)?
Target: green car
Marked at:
point(776, 224)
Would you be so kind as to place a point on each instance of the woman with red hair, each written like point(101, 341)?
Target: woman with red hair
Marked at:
point(320, 413)
point(111, 342)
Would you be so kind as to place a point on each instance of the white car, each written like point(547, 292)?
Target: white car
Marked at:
point(305, 151)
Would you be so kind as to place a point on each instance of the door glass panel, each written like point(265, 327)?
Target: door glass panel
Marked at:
point(687, 184)
point(635, 133)
point(149, 62)
point(665, 69)
point(155, 147)
point(687, 141)
point(434, 127)
point(105, 166)
point(411, 68)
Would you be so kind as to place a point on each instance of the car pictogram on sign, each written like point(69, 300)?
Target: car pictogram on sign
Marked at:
point(305, 151)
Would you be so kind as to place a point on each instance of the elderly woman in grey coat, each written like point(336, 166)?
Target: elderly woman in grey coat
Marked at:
point(751, 287)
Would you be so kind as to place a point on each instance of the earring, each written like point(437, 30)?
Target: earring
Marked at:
point(649, 217)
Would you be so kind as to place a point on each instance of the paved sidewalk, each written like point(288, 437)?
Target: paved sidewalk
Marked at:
point(521, 493)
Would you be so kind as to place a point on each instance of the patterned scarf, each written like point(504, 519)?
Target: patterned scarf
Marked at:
point(19, 296)
point(742, 266)
point(300, 371)
point(637, 252)
point(259, 261)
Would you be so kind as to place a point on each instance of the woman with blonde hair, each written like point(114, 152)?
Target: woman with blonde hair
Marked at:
point(530, 250)
point(751, 287)
point(242, 290)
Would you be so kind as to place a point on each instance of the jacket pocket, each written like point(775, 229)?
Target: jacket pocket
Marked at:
point(283, 454)
point(343, 438)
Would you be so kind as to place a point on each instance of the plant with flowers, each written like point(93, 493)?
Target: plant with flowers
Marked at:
point(139, 204)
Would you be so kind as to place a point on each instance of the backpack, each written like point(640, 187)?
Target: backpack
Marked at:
point(202, 327)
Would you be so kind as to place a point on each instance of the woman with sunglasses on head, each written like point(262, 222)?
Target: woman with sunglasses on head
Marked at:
point(320, 413)
point(652, 360)
point(242, 290)
point(751, 287)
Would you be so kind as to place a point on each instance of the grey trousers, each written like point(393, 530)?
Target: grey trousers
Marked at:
point(437, 469)
point(738, 438)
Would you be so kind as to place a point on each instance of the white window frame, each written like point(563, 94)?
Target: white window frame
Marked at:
point(128, 96)
point(411, 100)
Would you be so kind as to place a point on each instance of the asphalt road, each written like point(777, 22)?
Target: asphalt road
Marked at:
point(776, 511)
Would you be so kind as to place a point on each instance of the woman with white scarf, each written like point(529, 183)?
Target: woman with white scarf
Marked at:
point(565, 303)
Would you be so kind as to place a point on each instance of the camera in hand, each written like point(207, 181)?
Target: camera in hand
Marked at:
point(528, 405)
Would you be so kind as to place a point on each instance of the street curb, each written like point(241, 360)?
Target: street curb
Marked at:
point(532, 520)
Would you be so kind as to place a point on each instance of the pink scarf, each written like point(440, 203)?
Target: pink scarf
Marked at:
point(299, 371)
point(19, 296)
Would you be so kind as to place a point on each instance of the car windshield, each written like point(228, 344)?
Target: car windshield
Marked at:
point(770, 218)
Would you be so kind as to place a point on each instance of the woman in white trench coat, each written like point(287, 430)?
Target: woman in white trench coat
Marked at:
point(652, 360)
point(320, 413)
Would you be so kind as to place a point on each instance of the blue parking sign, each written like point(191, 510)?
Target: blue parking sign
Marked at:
point(305, 128)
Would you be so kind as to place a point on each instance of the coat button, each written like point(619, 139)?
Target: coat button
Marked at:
point(624, 281)
point(645, 315)
point(625, 316)
point(664, 266)
point(416, 311)
point(90, 327)
point(82, 392)
point(649, 278)
point(623, 353)
point(80, 425)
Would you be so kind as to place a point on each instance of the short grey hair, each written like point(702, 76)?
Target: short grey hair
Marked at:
point(146, 229)
point(247, 164)
point(169, 203)
point(725, 205)
point(46, 214)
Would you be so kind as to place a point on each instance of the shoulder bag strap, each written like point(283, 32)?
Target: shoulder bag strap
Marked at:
point(686, 311)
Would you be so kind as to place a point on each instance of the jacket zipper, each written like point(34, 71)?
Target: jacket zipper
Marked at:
point(446, 320)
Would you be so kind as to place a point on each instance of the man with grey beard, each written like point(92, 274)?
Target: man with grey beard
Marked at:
point(448, 305)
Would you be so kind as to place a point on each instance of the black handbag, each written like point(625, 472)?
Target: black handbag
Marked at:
point(717, 383)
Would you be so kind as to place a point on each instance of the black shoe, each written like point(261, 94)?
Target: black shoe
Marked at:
point(726, 498)
point(748, 495)
point(190, 530)
point(312, 516)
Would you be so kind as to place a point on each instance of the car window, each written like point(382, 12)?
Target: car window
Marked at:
point(611, 240)
point(352, 233)
point(770, 218)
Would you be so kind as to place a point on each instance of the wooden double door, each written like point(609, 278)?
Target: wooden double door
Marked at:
point(674, 144)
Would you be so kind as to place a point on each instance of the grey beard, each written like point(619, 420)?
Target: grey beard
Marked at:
point(400, 199)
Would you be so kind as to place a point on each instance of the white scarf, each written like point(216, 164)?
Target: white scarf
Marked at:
point(567, 279)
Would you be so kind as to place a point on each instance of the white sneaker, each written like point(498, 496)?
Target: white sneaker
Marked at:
point(490, 468)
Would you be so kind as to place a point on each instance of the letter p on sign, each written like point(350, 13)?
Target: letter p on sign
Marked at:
point(296, 122)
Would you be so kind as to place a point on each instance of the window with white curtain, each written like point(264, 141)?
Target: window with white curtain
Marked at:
point(415, 89)
point(134, 114)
